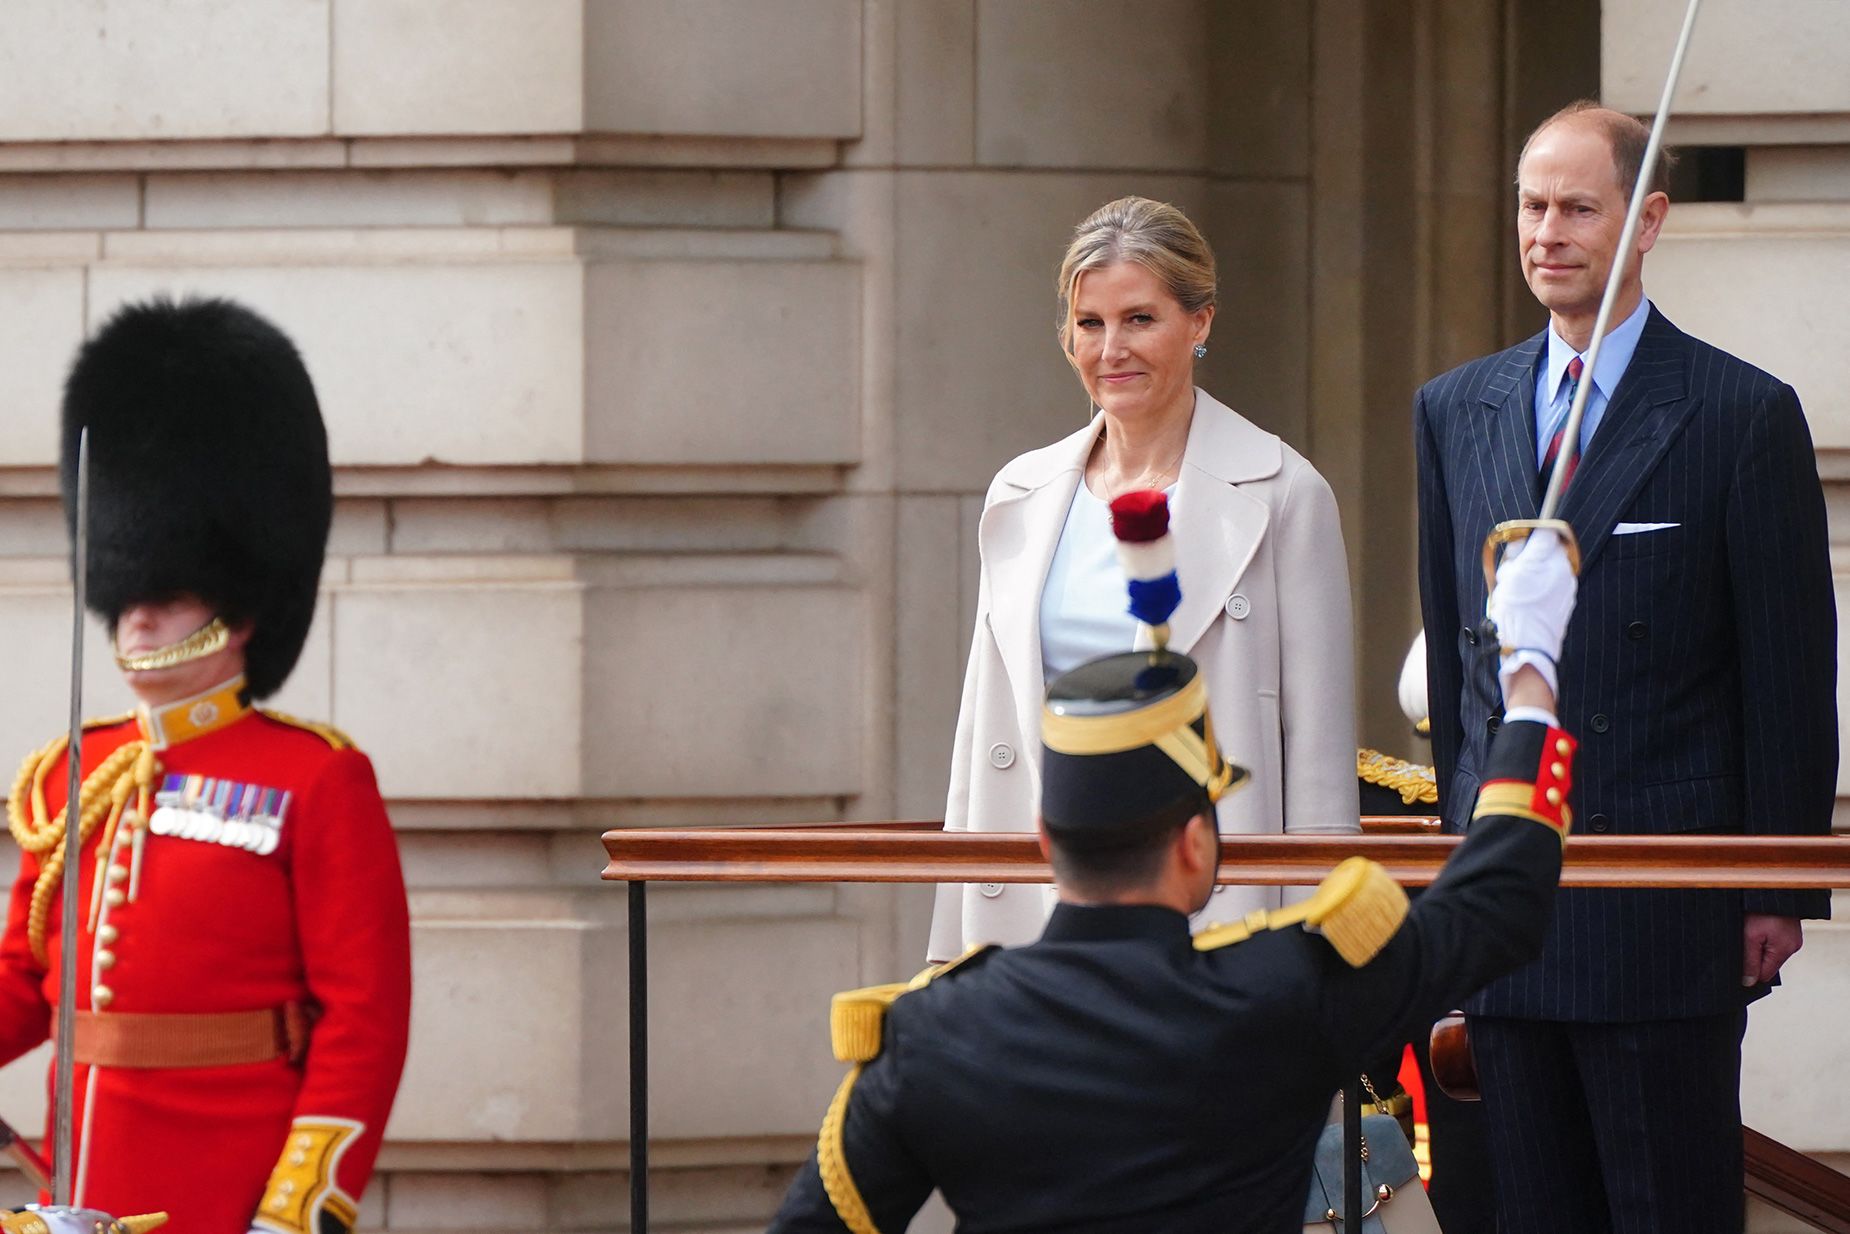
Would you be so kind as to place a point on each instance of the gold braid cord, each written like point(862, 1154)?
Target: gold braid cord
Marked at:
point(129, 770)
point(832, 1162)
point(1414, 782)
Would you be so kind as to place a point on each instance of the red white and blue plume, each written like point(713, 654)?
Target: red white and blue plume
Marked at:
point(1140, 520)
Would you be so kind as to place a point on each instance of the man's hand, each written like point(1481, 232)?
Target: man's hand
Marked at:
point(1531, 605)
point(1771, 941)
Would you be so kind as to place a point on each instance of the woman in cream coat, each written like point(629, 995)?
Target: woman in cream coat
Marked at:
point(1265, 586)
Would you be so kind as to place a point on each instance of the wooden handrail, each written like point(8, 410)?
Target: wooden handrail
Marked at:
point(1372, 824)
point(846, 853)
point(1796, 1184)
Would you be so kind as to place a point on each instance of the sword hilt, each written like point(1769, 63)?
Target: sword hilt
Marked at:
point(1513, 531)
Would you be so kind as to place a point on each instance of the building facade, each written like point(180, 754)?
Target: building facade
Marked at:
point(667, 348)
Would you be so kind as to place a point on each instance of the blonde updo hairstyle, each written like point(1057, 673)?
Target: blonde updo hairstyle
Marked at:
point(1156, 236)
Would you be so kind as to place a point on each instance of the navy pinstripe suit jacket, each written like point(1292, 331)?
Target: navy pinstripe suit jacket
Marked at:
point(1700, 666)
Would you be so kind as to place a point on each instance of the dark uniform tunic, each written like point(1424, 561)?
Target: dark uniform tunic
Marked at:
point(1113, 1077)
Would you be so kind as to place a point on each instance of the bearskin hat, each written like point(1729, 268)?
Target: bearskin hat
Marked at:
point(208, 471)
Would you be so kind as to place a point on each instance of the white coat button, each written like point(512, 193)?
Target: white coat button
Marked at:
point(1002, 756)
point(990, 890)
point(1238, 606)
point(101, 996)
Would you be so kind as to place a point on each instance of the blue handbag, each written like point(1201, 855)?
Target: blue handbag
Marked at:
point(1396, 1202)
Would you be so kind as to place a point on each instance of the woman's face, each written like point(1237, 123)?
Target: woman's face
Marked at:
point(1132, 345)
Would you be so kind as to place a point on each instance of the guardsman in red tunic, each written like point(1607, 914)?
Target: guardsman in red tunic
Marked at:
point(244, 955)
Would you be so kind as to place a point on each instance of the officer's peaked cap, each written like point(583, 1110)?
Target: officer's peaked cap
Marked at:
point(1126, 738)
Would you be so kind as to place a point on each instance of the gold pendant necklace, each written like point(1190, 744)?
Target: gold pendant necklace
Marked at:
point(1142, 481)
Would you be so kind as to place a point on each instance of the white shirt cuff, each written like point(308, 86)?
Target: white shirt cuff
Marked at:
point(1540, 715)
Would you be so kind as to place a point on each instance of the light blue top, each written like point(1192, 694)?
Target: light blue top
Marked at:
point(1085, 605)
point(1554, 395)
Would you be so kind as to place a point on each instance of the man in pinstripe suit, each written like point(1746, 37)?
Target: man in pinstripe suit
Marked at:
point(1700, 670)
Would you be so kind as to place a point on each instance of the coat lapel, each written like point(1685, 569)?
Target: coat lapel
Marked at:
point(1506, 462)
point(1018, 535)
point(1646, 414)
point(1218, 527)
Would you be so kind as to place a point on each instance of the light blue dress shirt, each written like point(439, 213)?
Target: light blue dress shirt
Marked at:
point(1551, 385)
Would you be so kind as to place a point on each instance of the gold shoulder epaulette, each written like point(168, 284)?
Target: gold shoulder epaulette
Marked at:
point(327, 732)
point(1415, 782)
point(1357, 907)
point(856, 1017)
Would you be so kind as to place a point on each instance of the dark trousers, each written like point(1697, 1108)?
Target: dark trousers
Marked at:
point(1461, 1193)
point(1614, 1128)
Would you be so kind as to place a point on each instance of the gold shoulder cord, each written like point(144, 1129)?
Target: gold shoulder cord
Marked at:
point(1415, 782)
point(832, 1162)
point(857, 1021)
point(327, 732)
point(105, 793)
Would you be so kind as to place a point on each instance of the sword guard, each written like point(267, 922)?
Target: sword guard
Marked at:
point(57, 1219)
point(1514, 530)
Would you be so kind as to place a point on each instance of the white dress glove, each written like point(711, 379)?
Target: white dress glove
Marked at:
point(1531, 605)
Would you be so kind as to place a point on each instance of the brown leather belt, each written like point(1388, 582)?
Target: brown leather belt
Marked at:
point(181, 1039)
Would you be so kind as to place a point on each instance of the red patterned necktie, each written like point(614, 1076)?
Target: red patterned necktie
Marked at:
point(1575, 368)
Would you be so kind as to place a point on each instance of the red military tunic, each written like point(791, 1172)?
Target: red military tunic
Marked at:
point(268, 877)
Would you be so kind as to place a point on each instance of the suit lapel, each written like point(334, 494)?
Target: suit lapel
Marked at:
point(1506, 460)
point(1218, 527)
point(1018, 535)
point(1646, 414)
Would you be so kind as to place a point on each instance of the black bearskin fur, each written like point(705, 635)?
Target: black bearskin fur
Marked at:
point(208, 471)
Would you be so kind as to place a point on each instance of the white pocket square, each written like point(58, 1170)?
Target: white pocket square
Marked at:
point(1633, 529)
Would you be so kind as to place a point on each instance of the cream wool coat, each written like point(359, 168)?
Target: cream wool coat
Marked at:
point(1265, 612)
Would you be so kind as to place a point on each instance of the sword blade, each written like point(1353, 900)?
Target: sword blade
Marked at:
point(65, 1087)
point(1570, 433)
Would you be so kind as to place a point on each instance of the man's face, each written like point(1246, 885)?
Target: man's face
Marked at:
point(1570, 214)
point(153, 624)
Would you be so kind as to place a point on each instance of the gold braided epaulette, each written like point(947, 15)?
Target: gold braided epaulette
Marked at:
point(1416, 783)
point(327, 732)
point(1358, 907)
point(857, 1017)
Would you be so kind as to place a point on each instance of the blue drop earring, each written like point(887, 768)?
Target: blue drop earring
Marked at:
point(1201, 351)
